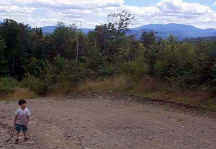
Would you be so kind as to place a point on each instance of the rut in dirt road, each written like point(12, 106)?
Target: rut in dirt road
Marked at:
point(101, 123)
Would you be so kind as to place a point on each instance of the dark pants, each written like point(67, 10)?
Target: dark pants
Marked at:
point(20, 128)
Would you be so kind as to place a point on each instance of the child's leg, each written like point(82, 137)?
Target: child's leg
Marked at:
point(18, 129)
point(17, 137)
point(25, 133)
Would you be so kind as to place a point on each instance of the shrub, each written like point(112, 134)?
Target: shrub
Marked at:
point(22, 93)
point(35, 84)
point(136, 70)
point(7, 85)
point(116, 83)
point(106, 71)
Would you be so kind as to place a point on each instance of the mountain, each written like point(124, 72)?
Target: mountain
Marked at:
point(51, 29)
point(213, 38)
point(48, 29)
point(180, 31)
point(86, 30)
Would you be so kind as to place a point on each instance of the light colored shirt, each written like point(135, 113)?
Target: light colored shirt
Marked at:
point(22, 116)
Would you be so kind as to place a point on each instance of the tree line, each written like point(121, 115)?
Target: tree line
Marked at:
point(69, 55)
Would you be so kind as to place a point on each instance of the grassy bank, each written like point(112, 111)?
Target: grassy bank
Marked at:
point(11, 89)
point(147, 88)
point(19, 93)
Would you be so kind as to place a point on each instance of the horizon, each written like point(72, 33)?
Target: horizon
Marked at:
point(89, 13)
point(137, 26)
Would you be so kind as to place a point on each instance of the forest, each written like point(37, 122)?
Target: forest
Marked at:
point(66, 58)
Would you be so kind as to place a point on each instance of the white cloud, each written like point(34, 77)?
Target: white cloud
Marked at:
point(177, 11)
point(49, 12)
point(92, 12)
point(179, 6)
point(68, 4)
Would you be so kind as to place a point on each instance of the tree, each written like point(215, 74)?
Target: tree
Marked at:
point(151, 49)
point(64, 40)
point(39, 46)
point(111, 37)
point(3, 60)
point(148, 38)
point(2, 45)
point(17, 39)
point(121, 20)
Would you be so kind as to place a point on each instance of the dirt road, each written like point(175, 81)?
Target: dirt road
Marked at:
point(101, 123)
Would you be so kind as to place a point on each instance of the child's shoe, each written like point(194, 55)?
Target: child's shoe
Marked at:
point(17, 141)
point(26, 139)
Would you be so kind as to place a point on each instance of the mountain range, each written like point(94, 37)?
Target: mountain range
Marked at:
point(180, 31)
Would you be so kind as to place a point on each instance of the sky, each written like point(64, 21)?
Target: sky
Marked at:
point(88, 13)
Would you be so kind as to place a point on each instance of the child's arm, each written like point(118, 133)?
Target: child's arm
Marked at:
point(15, 119)
point(28, 119)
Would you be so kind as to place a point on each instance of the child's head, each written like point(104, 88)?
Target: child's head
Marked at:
point(22, 103)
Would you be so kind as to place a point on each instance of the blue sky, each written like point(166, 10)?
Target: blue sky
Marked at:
point(88, 13)
point(153, 2)
point(141, 2)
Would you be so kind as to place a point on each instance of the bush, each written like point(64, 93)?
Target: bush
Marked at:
point(136, 70)
point(35, 84)
point(116, 83)
point(7, 85)
point(106, 71)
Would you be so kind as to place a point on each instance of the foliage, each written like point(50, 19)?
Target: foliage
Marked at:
point(34, 84)
point(67, 57)
point(120, 20)
point(7, 85)
point(3, 62)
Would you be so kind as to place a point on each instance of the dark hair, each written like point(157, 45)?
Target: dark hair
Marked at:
point(21, 102)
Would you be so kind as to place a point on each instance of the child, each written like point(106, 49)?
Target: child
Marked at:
point(21, 120)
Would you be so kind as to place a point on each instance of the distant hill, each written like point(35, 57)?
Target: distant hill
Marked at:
point(180, 31)
point(48, 29)
point(213, 38)
point(51, 29)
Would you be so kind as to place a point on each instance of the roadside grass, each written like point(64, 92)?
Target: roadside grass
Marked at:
point(18, 93)
point(10, 90)
point(23, 93)
point(61, 89)
point(206, 102)
point(119, 83)
point(149, 88)
point(195, 98)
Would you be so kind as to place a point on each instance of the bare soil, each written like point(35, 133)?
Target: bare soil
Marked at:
point(105, 123)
